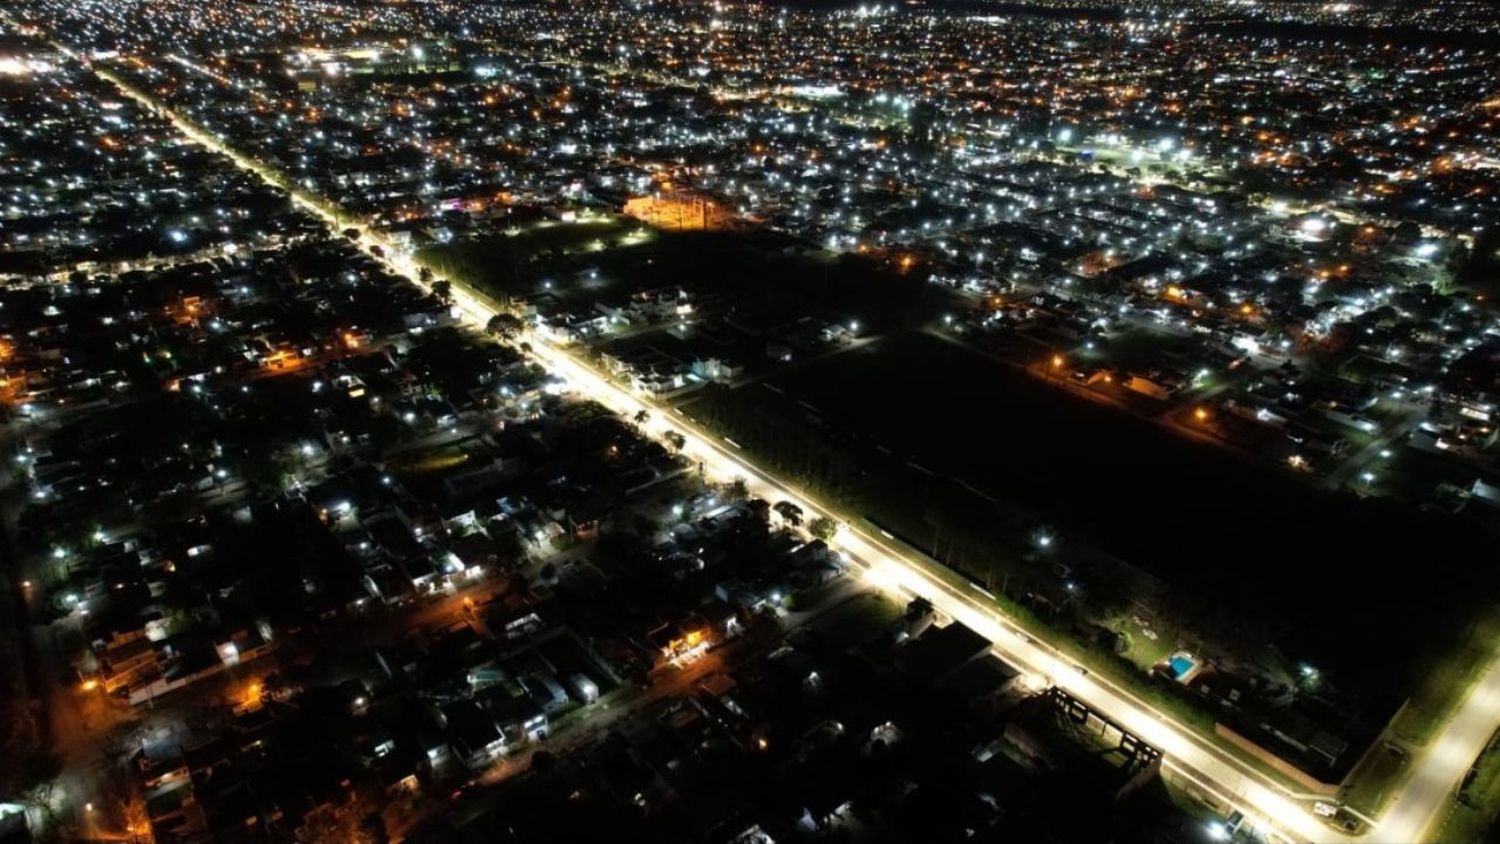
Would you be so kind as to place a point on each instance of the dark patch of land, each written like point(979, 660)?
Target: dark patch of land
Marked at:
point(1340, 580)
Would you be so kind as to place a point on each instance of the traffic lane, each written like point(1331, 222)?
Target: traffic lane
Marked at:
point(622, 401)
point(1446, 762)
point(1236, 784)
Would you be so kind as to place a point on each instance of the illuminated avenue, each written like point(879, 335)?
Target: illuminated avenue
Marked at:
point(511, 433)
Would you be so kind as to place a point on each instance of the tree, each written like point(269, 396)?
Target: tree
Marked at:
point(643, 526)
point(35, 780)
point(373, 828)
point(675, 440)
point(137, 819)
point(512, 550)
point(1479, 266)
point(823, 528)
point(443, 289)
point(789, 513)
point(641, 416)
point(356, 821)
point(505, 326)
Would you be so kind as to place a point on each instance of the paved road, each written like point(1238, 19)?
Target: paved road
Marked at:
point(1193, 758)
point(1438, 772)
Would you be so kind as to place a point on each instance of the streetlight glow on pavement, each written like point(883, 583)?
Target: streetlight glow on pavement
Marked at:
point(887, 566)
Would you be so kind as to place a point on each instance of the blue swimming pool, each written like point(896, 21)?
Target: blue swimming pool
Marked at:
point(1180, 665)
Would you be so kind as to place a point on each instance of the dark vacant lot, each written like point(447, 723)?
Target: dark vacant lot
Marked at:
point(1337, 580)
point(765, 278)
point(1250, 552)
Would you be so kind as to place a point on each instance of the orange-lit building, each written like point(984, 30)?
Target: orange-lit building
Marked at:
point(683, 642)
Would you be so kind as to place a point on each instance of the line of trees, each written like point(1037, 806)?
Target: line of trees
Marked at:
point(820, 467)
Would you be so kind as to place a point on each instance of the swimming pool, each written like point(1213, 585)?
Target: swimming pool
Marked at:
point(1179, 665)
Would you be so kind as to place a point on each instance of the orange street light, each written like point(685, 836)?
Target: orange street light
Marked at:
point(1201, 414)
point(1057, 361)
